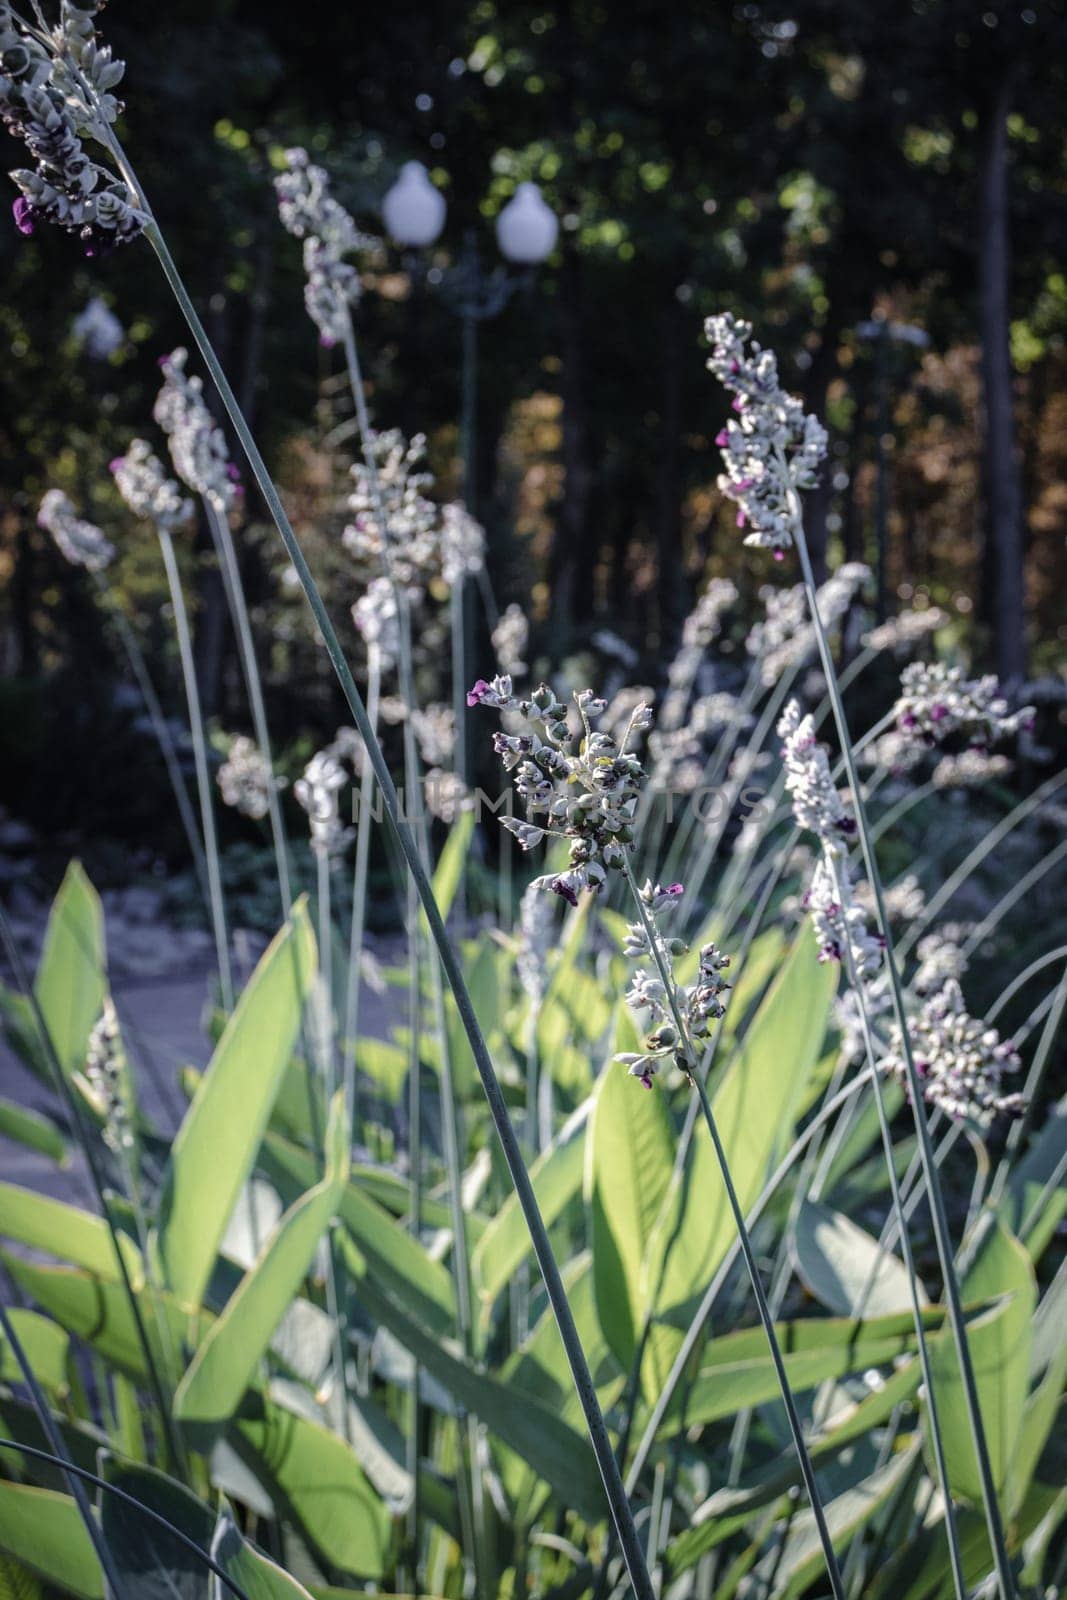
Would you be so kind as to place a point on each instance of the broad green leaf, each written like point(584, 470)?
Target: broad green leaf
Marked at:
point(18, 1582)
point(44, 1530)
point(385, 1064)
point(29, 1128)
point(629, 1160)
point(921, 1569)
point(152, 1563)
point(71, 982)
point(224, 1364)
point(216, 1145)
point(313, 1473)
point(98, 1311)
point(736, 1371)
point(65, 1231)
point(1029, 1208)
point(755, 1109)
point(800, 1561)
point(395, 1257)
point(484, 986)
point(1000, 1343)
point(1039, 1417)
point(449, 867)
point(556, 1176)
point(846, 1269)
point(45, 1345)
point(259, 1577)
point(554, 1450)
point(729, 1509)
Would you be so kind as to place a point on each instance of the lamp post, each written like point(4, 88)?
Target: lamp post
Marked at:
point(881, 334)
point(526, 231)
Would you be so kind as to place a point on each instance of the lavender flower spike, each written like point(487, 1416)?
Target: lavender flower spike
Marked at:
point(80, 542)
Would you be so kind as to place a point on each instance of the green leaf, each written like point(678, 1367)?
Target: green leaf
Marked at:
point(555, 1451)
point(18, 1582)
point(98, 1311)
point(44, 1530)
point(800, 1561)
point(1038, 1420)
point(260, 1578)
point(556, 1176)
point(846, 1269)
point(630, 1157)
point(29, 1128)
point(736, 1371)
point(216, 1145)
point(223, 1366)
point(315, 1476)
point(1029, 1208)
point(394, 1256)
point(450, 866)
point(153, 1564)
point(71, 983)
point(755, 1110)
point(47, 1348)
point(1000, 1343)
point(76, 1236)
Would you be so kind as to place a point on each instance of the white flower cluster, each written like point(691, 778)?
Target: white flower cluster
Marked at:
point(407, 547)
point(940, 957)
point(43, 104)
point(510, 638)
point(838, 919)
point(699, 630)
point(105, 1072)
point(245, 778)
point(435, 730)
point(537, 928)
point(80, 542)
point(318, 792)
point(587, 793)
point(462, 544)
point(785, 636)
point(446, 794)
point(375, 615)
point(98, 330)
point(197, 446)
point(901, 633)
point(961, 1062)
point(310, 213)
point(699, 1004)
point(146, 489)
point(770, 449)
point(969, 769)
point(936, 701)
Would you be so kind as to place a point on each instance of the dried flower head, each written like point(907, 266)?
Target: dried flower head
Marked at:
point(901, 633)
point(770, 448)
point(318, 792)
point(107, 1073)
point(81, 542)
point(462, 544)
point(375, 615)
point(146, 489)
point(245, 778)
point(510, 638)
point(309, 212)
point(937, 701)
point(407, 547)
point(585, 786)
point(960, 1061)
point(197, 446)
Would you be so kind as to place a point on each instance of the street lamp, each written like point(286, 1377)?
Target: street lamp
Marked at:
point(881, 333)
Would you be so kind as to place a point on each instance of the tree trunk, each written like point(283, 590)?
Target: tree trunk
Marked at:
point(670, 584)
point(571, 563)
point(1004, 499)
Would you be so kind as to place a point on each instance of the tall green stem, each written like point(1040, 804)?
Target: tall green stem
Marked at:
point(203, 777)
point(359, 897)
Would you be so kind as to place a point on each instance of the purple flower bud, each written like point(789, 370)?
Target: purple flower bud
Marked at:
point(779, 555)
point(564, 890)
point(740, 519)
point(24, 214)
point(738, 402)
point(675, 888)
point(477, 694)
point(722, 438)
point(938, 713)
point(114, 464)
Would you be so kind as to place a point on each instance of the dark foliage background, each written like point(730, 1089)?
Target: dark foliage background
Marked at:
point(810, 164)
